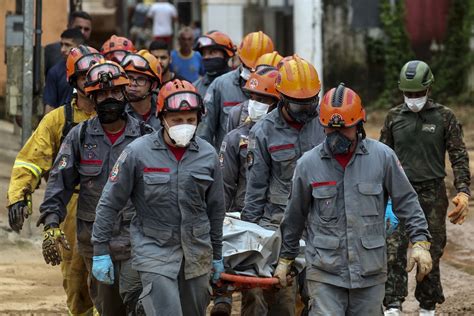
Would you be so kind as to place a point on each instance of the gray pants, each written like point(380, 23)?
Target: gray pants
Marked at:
point(164, 296)
point(328, 300)
point(106, 298)
point(130, 285)
point(272, 302)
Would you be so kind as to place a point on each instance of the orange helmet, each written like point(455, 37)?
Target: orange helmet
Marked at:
point(143, 62)
point(263, 82)
point(297, 78)
point(215, 39)
point(79, 60)
point(105, 75)
point(116, 47)
point(269, 59)
point(341, 107)
point(253, 46)
point(178, 95)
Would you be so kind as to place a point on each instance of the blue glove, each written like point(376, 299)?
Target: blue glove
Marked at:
point(103, 269)
point(217, 268)
point(391, 220)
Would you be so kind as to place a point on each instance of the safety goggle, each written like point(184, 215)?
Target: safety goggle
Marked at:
point(86, 61)
point(306, 106)
point(103, 73)
point(183, 101)
point(137, 61)
point(116, 55)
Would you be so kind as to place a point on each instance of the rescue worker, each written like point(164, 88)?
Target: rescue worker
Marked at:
point(216, 48)
point(116, 48)
point(421, 131)
point(275, 144)
point(86, 157)
point(233, 153)
point(175, 183)
point(239, 113)
point(144, 72)
point(35, 160)
point(226, 91)
point(338, 198)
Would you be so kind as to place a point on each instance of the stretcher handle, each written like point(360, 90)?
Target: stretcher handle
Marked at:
point(248, 279)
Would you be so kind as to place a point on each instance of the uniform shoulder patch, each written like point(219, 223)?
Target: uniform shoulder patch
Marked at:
point(223, 147)
point(63, 162)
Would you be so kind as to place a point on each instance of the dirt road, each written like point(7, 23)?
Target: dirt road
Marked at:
point(29, 286)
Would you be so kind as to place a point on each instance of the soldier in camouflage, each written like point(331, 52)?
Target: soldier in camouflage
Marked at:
point(436, 131)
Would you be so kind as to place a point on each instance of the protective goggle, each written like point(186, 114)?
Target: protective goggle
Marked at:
point(183, 101)
point(204, 41)
point(116, 55)
point(137, 61)
point(86, 61)
point(103, 74)
point(305, 106)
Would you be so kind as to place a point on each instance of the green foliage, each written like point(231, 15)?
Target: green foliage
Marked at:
point(452, 64)
point(394, 50)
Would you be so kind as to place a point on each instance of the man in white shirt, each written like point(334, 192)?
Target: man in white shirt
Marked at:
point(163, 14)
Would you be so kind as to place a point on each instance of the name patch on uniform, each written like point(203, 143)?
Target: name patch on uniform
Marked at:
point(63, 162)
point(165, 170)
point(429, 128)
point(281, 147)
point(91, 162)
point(323, 184)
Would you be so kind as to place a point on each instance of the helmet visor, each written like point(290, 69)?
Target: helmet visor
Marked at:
point(204, 41)
point(303, 106)
point(116, 55)
point(186, 101)
point(137, 61)
point(103, 74)
point(85, 62)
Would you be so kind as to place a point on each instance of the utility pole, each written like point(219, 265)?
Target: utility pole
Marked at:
point(27, 89)
point(307, 28)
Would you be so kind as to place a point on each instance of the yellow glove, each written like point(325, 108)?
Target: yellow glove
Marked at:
point(459, 213)
point(420, 255)
point(53, 238)
point(283, 270)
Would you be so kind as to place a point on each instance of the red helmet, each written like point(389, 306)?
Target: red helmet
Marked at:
point(178, 95)
point(116, 47)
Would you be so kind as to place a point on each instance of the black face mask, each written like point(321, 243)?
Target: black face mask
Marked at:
point(110, 110)
point(215, 66)
point(338, 143)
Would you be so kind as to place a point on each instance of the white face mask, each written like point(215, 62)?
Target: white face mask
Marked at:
point(245, 73)
point(416, 104)
point(181, 134)
point(257, 110)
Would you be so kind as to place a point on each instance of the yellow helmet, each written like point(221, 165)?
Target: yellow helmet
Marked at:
point(297, 78)
point(253, 46)
point(269, 59)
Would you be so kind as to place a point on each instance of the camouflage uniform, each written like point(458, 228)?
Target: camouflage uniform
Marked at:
point(437, 130)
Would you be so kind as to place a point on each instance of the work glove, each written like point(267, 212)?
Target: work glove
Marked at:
point(420, 255)
point(391, 220)
point(54, 240)
point(459, 213)
point(103, 269)
point(283, 270)
point(17, 213)
point(217, 269)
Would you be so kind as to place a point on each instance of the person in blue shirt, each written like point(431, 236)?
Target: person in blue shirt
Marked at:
point(57, 90)
point(185, 62)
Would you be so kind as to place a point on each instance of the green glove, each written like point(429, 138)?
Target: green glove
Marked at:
point(54, 238)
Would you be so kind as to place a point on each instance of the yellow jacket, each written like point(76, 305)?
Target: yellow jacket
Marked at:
point(37, 155)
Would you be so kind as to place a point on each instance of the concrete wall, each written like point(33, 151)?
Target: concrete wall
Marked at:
point(55, 14)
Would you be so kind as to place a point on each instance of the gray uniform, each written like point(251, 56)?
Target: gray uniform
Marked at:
point(233, 159)
point(342, 212)
point(202, 84)
point(274, 148)
point(237, 115)
point(152, 120)
point(86, 157)
point(224, 93)
point(178, 228)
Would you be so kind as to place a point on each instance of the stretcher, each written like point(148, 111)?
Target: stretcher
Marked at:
point(250, 255)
